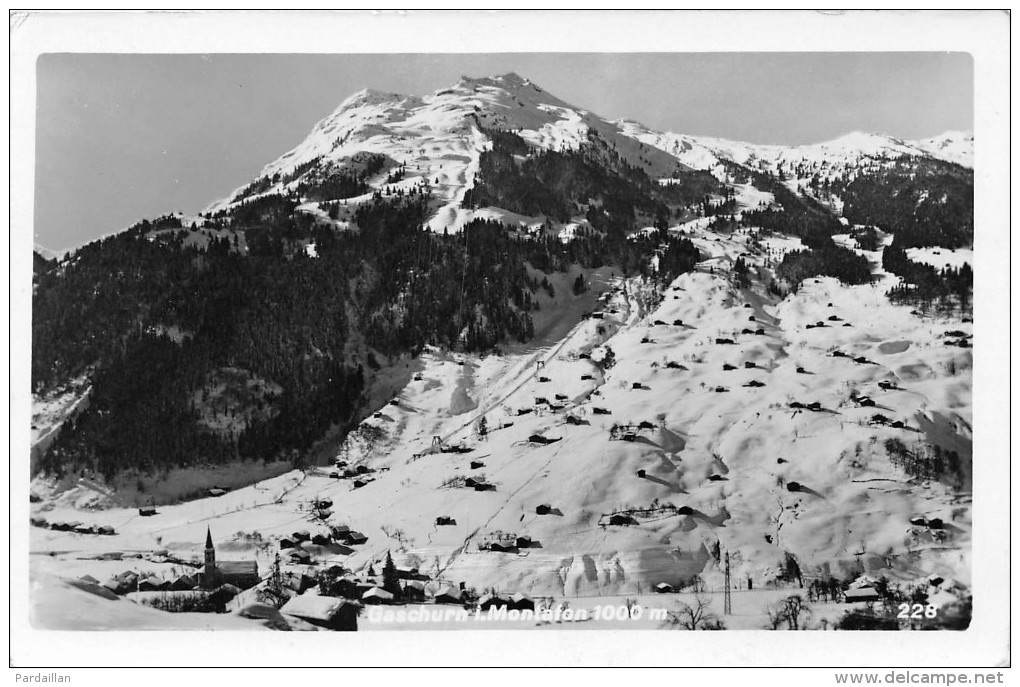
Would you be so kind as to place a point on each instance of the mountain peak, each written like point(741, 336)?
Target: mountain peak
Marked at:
point(371, 96)
point(508, 81)
point(513, 79)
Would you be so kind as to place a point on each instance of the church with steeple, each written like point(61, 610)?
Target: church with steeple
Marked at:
point(241, 574)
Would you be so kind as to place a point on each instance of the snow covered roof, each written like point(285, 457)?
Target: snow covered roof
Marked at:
point(864, 581)
point(377, 593)
point(861, 594)
point(312, 607)
point(238, 567)
point(451, 592)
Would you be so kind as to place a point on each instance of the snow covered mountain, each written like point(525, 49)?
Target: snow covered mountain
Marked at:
point(852, 152)
point(648, 428)
point(438, 139)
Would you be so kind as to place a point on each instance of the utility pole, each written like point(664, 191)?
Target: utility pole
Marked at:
point(727, 601)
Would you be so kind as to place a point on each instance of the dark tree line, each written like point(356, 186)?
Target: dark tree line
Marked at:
point(827, 260)
point(923, 284)
point(924, 202)
point(594, 179)
point(307, 325)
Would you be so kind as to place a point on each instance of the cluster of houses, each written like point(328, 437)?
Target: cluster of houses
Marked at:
point(962, 339)
point(300, 547)
point(626, 518)
point(476, 482)
point(507, 542)
point(859, 359)
point(628, 432)
point(938, 590)
point(831, 318)
point(71, 526)
point(219, 581)
point(359, 474)
point(340, 613)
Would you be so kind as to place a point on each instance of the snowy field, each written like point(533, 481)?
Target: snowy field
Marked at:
point(940, 258)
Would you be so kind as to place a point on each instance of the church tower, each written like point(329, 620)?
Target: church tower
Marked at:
point(209, 572)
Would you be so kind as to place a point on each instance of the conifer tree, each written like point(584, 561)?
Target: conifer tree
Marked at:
point(391, 582)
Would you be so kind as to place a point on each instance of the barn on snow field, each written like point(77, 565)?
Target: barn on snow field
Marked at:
point(449, 595)
point(377, 595)
point(93, 588)
point(414, 590)
point(151, 584)
point(445, 520)
point(123, 583)
point(663, 588)
point(521, 602)
point(324, 611)
point(297, 556)
point(622, 519)
point(491, 601)
point(355, 538)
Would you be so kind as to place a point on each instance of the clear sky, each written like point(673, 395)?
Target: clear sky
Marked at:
point(122, 137)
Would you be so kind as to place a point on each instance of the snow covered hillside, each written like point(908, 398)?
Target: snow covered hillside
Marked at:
point(669, 428)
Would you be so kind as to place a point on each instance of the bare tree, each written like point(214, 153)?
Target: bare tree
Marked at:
point(788, 611)
point(775, 614)
point(794, 608)
point(698, 616)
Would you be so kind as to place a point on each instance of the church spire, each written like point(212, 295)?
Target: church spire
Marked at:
point(208, 538)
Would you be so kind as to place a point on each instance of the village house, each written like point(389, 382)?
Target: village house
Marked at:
point(450, 595)
point(324, 611)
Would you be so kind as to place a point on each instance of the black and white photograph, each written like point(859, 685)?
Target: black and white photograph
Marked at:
point(446, 323)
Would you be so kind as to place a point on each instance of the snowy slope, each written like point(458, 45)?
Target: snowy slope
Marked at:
point(952, 146)
point(727, 456)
